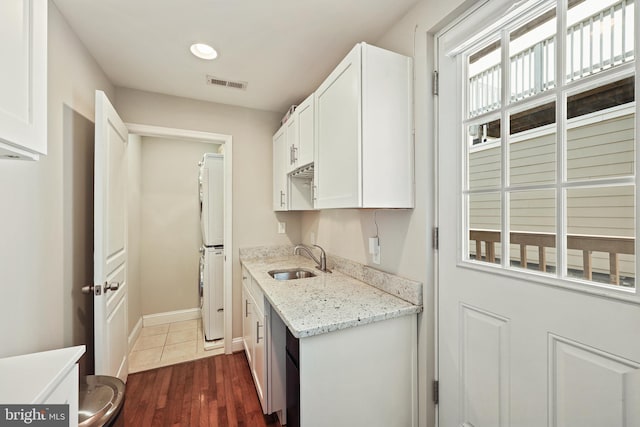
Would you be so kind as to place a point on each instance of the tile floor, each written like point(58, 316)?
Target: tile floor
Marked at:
point(169, 344)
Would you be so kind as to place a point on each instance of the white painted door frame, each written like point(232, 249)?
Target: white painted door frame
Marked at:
point(227, 141)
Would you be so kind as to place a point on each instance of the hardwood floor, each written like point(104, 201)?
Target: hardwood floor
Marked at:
point(215, 391)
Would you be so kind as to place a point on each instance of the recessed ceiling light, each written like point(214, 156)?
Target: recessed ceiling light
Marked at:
point(203, 51)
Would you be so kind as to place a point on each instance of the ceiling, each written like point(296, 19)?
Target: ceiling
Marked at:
point(283, 49)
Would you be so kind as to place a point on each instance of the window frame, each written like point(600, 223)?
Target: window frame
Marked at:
point(559, 94)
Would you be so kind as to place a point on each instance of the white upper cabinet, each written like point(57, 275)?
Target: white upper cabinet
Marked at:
point(363, 127)
point(23, 79)
point(291, 135)
point(301, 182)
point(280, 156)
point(303, 142)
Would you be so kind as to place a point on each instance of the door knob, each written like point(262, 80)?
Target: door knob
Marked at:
point(111, 286)
point(90, 289)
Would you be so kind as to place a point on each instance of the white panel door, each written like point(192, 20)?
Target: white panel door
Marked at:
point(513, 351)
point(110, 249)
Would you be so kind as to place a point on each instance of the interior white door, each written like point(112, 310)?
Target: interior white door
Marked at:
point(110, 237)
point(511, 351)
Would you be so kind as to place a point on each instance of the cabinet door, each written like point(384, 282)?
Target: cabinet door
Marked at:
point(23, 78)
point(387, 142)
point(247, 320)
point(259, 357)
point(291, 131)
point(305, 119)
point(66, 392)
point(338, 169)
point(276, 333)
point(280, 170)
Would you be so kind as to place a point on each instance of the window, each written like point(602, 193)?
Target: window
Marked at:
point(550, 137)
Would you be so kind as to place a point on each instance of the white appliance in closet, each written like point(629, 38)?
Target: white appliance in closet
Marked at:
point(211, 282)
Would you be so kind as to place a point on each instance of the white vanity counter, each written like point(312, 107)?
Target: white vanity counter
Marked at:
point(48, 377)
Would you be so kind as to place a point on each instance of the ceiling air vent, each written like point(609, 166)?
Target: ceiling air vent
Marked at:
point(211, 80)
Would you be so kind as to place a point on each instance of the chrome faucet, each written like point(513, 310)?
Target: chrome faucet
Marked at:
point(322, 262)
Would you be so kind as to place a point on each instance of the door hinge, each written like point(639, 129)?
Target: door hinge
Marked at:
point(436, 83)
point(436, 238)
point(436, 392)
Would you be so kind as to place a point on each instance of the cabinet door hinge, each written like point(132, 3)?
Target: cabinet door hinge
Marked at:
point(436, 83)
point(436, 238)
point(436, 392)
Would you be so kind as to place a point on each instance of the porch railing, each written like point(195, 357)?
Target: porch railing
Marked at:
point(614, 246)
point(600, 41)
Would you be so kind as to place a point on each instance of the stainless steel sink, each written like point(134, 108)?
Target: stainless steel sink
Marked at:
point(291, 274)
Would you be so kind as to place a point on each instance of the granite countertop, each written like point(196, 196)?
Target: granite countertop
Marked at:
point(325, 303)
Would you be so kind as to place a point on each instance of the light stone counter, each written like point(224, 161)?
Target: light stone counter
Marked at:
point(325, 303)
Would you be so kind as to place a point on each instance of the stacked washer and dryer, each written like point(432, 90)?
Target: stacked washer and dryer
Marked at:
point(211, 282)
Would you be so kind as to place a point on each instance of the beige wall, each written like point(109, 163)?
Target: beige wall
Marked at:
point(254, 222)
point(170, 223)
point(45, 220)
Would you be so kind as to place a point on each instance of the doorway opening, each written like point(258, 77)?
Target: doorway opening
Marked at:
point(167, 225)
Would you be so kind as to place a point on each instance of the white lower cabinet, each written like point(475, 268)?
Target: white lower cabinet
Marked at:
point(364, 376)
point(67, 392)
point(259, 355)
point(263, 342)
point(247, 317)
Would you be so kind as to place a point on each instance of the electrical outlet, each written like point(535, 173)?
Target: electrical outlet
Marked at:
point(282, 227)
point(374, 249)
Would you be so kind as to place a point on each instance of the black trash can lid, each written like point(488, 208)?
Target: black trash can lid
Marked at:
point(101, 397)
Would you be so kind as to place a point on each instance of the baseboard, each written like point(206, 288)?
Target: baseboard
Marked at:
point(170, 316)
point(236, 345)
point(214, 345)
point(133, 336)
